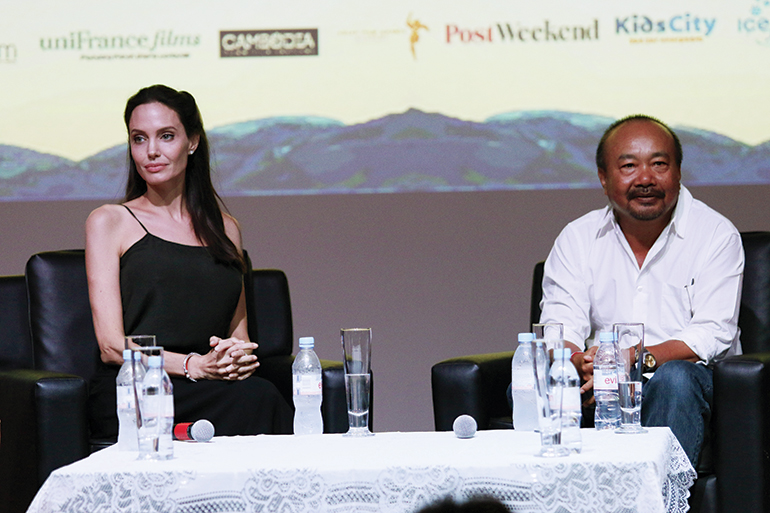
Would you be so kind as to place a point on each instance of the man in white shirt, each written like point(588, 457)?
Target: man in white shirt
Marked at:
point(655, 255)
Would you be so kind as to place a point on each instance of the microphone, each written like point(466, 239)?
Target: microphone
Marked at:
point(464, 426)
point(198, 431)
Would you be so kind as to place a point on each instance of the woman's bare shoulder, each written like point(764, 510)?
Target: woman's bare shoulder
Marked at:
point(106, 217)
point(112, 226)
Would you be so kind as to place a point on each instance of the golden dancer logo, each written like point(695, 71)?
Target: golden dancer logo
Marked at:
point(414, 37)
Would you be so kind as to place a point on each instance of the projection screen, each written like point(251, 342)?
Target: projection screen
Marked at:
point(350, 97)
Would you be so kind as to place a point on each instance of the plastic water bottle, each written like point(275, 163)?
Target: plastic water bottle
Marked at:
point(155, 435)
point(306, 372)
point(525, 416)
point(127, 435)
point(565, 386)
point(607, 414)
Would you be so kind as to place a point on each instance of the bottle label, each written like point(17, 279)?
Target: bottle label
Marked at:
point(524, 387)
point(157, 405)
point(570, 401)
point(150, 405)
point(605, 380)
point(168, 405)
point(125, 397)
point(307, 384)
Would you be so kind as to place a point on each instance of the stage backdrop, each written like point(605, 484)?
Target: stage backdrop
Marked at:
point(406, 163)
point(339, 96)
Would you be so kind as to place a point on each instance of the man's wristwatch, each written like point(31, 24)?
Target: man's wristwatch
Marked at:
point(649, 363)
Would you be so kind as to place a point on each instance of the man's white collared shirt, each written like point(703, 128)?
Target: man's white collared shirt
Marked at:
point(688, 287)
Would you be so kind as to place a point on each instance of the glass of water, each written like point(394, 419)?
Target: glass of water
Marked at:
point(630, 337)
point(357, 349)
point(148, 426)
point(550, 401)
point(630, 393)
point(552, 333)
point(549, 404)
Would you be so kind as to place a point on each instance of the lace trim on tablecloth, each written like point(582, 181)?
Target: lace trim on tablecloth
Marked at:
point(680, 476)
point(561, 488)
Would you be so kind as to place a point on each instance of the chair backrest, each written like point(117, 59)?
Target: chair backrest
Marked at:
point(754, 318)
point(62, 330)
point(15, 343)
point(269, 308)
point(537, 293)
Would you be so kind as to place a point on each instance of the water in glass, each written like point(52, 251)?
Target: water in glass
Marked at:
point(357, 392)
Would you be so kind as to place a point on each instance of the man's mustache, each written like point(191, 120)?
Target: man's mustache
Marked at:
point(646, 192)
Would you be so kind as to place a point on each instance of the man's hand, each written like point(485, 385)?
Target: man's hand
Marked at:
point(584, 363)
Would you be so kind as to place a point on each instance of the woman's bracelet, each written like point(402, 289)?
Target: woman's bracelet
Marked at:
point(184, 367)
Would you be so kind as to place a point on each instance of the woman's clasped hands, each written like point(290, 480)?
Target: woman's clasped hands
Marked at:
point(230, 359)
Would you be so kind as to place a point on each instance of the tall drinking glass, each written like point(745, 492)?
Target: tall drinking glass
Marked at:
point(630, 337)
point(149, 437)
point(550, 332)
point(357, 349)
point(548, 336)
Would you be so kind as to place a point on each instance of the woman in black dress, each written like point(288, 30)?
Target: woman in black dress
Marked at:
point(168, 262)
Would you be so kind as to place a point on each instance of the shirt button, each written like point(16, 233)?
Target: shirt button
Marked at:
point(639, 289)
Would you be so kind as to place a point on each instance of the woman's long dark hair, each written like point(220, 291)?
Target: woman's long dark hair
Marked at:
point(203, 203)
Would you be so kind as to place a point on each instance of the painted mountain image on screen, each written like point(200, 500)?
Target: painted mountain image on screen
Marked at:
point(405, 152)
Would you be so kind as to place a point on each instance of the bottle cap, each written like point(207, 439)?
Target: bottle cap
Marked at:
point(526, 337)
point(564, 352)
point(606, 336)
point(306, 342)
point(154, 361)
point(137, 356)
point(127, 355)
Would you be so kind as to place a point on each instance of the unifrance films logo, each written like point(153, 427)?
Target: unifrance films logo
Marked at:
point(162, 43)
point(683, 27)
point(84, 40)
point(756, 24)
point(268, 43)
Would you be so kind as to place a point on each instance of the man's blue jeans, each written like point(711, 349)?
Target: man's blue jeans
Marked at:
point(679, 395)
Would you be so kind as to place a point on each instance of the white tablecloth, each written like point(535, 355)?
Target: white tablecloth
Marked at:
point(389, 472)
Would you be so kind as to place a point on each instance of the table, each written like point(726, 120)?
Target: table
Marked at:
point(389, 472)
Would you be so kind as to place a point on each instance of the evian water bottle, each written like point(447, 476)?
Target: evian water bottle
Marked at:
point(607, 414)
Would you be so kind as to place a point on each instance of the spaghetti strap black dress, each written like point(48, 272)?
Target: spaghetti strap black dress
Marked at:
point(181, 295)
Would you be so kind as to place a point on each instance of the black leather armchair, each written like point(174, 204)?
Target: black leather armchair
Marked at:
point(49, 354)
point(741, 413)
point(15, 345)
point(734, 471)
point(476, 384)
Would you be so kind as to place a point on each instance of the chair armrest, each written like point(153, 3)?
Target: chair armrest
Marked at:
point(334, 406)
point(44, 425)
point(277, 369)
point(741, 423)
point(474, 385)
